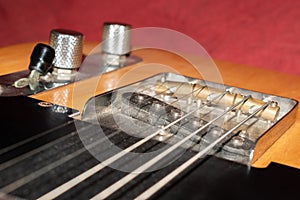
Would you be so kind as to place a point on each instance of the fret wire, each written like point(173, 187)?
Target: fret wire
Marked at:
point(30, 177)
point(78, 179)
point(117, 185)
point(160, 184)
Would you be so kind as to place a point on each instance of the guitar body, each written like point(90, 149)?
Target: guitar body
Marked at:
point(41, 147)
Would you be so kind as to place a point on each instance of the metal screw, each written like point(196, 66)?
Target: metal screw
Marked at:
point(140, 98)
point(163, 132)
point(175, 113)
point(243, 133)
point(216, 132)
point(237, 141)
point(274, 104)
point(157, 105)
point(45, 104)
point(196, 122)
point(163, 79)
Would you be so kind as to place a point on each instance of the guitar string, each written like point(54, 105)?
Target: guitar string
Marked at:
point(16, 145)
point(37, 150)
point(199, 90)
point(156, 94)
point(26, 181)
point(20, 182)
point(34, 151)
point(164, 181)
point(75, 181)
point(117, 185)
point(30, 177)
point(159, 93)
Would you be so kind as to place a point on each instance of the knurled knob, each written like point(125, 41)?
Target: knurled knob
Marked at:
point(68, 46)
point(116, 38)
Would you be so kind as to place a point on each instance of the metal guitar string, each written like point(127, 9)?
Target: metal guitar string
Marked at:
point(24, 180)
point(182, 97)
point(117, 185)
point(71, 183)
point(159, 93)
point(18, 183)
point(16, 145)
point(37, 150)
point(34, 151)
point(159, 185)
point(162, 96)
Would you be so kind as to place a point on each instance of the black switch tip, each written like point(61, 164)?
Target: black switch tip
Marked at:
point(41, 58)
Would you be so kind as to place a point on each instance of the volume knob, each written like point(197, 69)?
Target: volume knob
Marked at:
point(68, 46)
point(116, 38)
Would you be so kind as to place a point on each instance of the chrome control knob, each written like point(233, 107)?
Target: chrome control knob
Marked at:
point(68, 46)
point(116, 38)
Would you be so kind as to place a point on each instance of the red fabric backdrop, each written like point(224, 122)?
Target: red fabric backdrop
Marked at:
point(254, 32)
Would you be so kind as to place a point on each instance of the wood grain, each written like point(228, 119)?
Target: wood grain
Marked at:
point(285, 150)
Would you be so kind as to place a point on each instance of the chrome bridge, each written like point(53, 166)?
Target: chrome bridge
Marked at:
point(178, 106)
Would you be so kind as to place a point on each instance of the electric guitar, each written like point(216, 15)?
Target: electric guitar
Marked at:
point(153, 129)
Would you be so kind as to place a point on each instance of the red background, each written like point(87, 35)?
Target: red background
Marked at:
point(254, 32)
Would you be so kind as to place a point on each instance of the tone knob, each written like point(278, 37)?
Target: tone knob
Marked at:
point(116, 38)
point(68, 46)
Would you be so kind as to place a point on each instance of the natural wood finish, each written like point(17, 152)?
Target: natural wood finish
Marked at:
point(285, 150)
